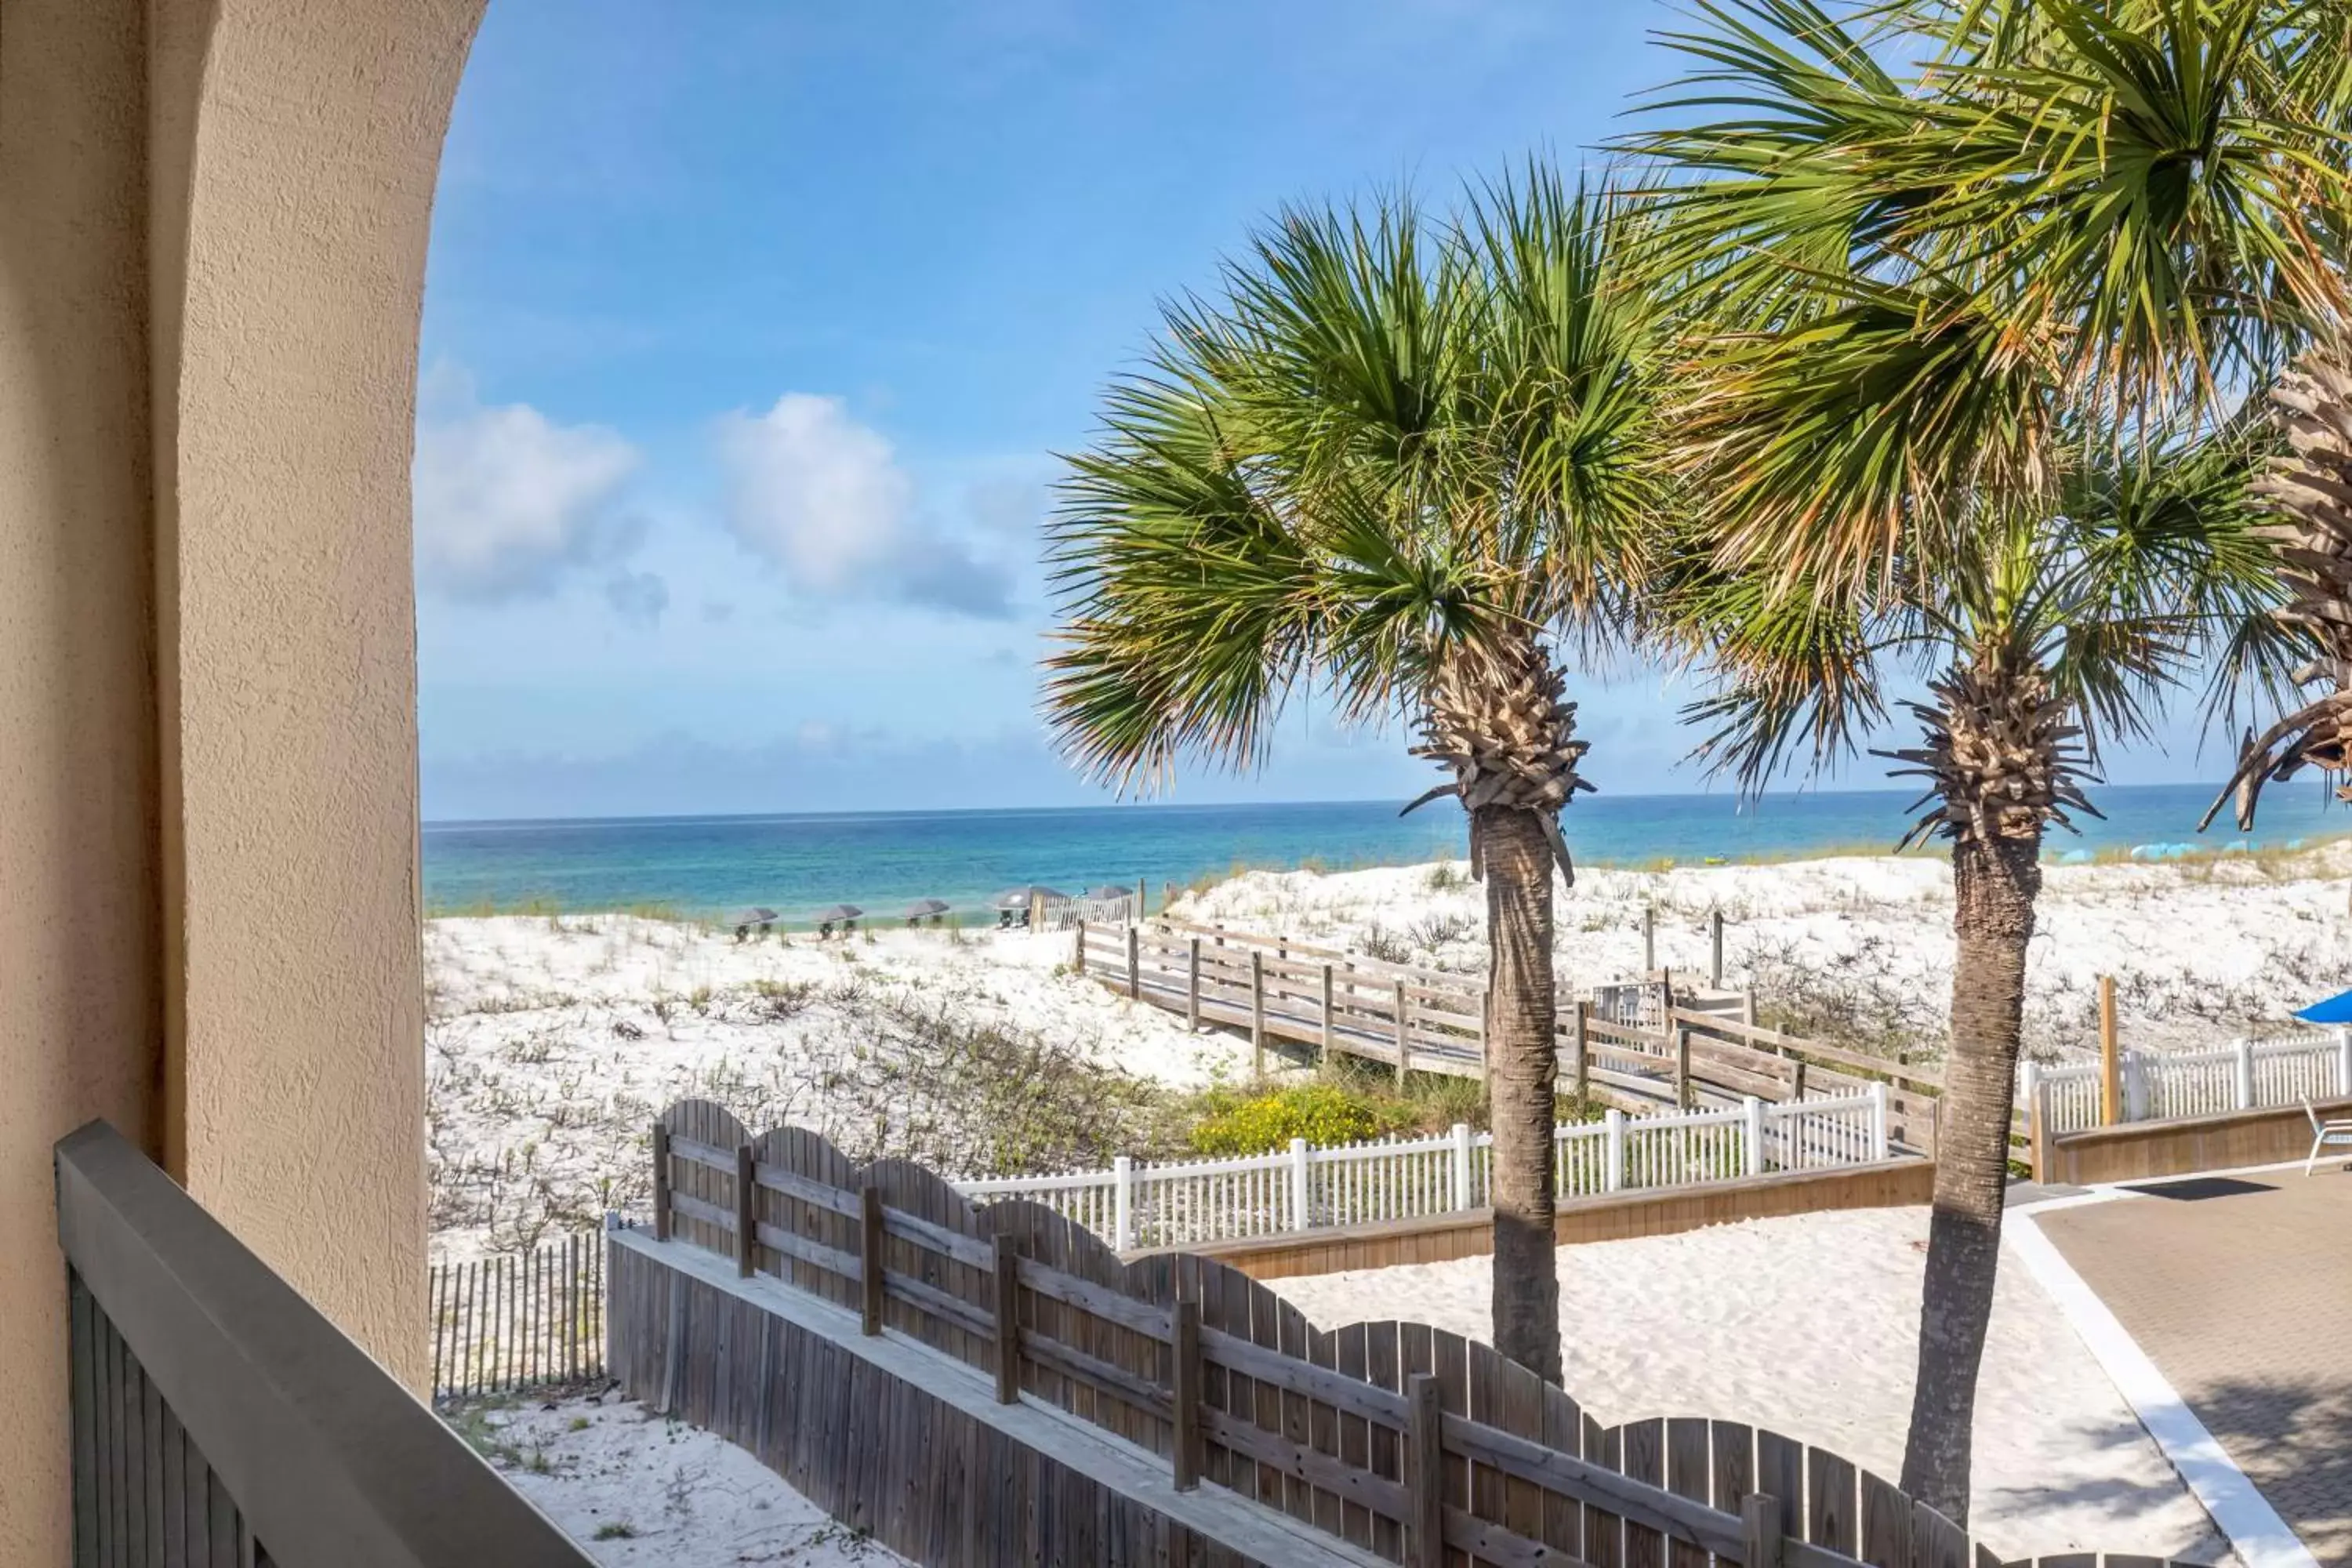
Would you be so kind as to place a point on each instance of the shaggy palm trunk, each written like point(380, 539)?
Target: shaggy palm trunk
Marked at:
point(1522, 1070)
point(1994, 881)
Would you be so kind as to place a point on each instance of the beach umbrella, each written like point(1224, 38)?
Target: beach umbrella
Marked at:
point(752, 917)
point(922, 908)
point(1018, 898)
point(1109, 892)
point(839, 912)
point(2337, 1009)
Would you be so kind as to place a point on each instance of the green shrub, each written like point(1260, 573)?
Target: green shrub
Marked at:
point(1322, 1113)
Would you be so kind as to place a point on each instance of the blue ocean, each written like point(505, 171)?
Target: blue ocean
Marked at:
point(883, 861)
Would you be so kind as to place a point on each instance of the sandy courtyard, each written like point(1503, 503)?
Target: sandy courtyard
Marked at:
point(1809, 1326)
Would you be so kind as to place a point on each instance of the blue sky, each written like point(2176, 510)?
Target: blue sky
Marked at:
point(750, 331)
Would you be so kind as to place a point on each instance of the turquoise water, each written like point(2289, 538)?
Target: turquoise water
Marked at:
point(882, 861)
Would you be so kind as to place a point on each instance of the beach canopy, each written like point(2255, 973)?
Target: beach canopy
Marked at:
point(1018, 898)
point(2337, 1009)
point(757, 916)
point(840, 912)
point(922, 907)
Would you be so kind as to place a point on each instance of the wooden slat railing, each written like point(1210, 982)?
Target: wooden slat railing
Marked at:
point(1426, 1020)
point(218, 1418)
point(1404, 1440)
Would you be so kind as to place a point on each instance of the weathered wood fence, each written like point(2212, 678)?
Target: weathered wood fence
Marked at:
point(518, 1320)
point(1403, 1440)
point(1684, 1047)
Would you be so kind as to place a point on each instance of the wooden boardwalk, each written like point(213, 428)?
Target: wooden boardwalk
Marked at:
point(1690, 1049)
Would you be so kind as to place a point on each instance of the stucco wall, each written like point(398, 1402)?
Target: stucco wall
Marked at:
point(296, 1053)
point(80, 988)
point(213, 222)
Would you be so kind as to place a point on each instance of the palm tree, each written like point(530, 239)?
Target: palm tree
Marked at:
point(2058, 239)
point(2064, 631)
point(1407, 465)
point(2310, 488)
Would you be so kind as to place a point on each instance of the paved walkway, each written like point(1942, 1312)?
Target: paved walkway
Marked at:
point(2240, 1290)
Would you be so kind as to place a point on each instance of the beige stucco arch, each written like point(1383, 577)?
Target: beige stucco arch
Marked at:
point(213, 225)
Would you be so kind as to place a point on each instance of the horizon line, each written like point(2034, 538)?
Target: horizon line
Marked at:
point(1742, 803)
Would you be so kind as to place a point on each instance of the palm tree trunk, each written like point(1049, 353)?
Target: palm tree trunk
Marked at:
point(1994, 883)
point(1522, 1070)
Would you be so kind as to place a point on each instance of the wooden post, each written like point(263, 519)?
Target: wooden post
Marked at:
point(2037, 1131)
point(1185, 1380)
point(1715, 947)
point(1577, 1011)
point(1193, 987)
point(870, 1261)
point(2111, 1065)
point(1078, 952)
point(747, 1228)
point(1403, 1030)
point(1760, 1531)
point(1141, 900)
point(1649, 941)
point(1008, 1322)
point(1796, 1079)
point(1682, 1066)
point(1135, 961)
point(1424, 1473)
point(1258, 1007)
point(661, 1182)
point(1036, 912)
point(1330, 1027)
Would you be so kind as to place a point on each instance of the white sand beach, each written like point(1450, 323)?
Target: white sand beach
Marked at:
point(1809, 1326)
point(552, 1041)
point(636, 1491)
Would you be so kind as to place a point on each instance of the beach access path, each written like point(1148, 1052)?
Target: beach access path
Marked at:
point(2239, 1287)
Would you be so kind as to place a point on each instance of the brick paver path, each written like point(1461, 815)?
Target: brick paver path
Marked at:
point(2240, 1290)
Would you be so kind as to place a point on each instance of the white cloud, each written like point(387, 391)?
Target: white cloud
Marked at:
point(824, 497)
point(507, 501)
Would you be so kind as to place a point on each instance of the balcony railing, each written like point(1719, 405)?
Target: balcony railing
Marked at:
point(220, 1421)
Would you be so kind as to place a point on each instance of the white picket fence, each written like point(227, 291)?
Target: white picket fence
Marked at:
point(1305, 1188)
point(2159, 1087)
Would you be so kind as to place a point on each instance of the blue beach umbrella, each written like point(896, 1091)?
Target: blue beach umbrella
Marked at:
point(2337, 1009)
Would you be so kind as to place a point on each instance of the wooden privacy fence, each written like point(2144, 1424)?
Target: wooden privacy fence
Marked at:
point(1408, 1442)
point(1685, 1049)
point(1305, 1188)
point(517, 1319)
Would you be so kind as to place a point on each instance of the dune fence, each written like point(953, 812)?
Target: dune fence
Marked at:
point(984, 1384)
point(518, 1320)
point(1305, 1188)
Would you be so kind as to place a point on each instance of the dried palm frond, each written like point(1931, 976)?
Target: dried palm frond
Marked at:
point(2000, 759)
point(1494, 716)
point(2311, 487)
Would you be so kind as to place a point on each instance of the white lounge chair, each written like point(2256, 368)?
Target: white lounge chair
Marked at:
point(2325, 1134)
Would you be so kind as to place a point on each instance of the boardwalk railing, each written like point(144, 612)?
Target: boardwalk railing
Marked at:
point(1409, 1442)
point(1303, 1188)
point(518, 1320)
point(219, 1418)
point(1690, 1049)
point(2163, 1086)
